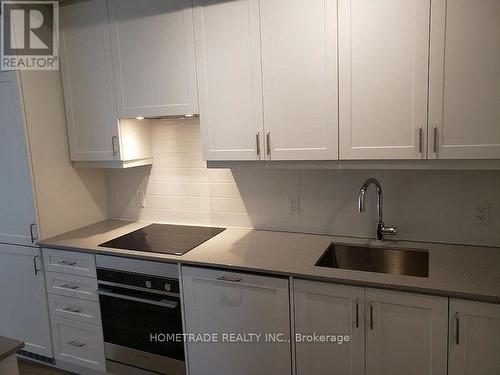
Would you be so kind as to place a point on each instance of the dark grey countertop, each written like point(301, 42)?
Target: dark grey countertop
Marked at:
point(471, 272)
point(9, 346)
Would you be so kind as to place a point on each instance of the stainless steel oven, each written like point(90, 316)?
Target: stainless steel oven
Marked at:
point(140, 307)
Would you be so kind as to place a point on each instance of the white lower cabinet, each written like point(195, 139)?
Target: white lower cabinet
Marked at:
point(474, 338)
point(221, 302)
point(406, 333)
point(75, 315)
point(390, 332)
point(78, 343)
point(328, 309)
point(72, 286)
point(75, 309)
point(23, 308)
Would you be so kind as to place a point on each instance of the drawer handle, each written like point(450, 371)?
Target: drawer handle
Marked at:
point(72, 310)
point(67, 286)
point(76, 343)
point(66, 263)
point(230, 279)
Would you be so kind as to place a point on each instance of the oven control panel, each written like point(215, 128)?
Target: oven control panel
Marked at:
point(153, 283)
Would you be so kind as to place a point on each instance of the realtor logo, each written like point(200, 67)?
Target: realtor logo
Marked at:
point(30, 35)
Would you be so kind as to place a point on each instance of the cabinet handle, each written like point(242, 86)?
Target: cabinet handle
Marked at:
point(67, 286)
point(420, 140)
point(371, 316)
point(268, 143)
point(34, 265)
point(457, 329)
point(70, 309)
point(75, 343)
point(230, 279)
point(257, 140)
point(114, 143)
point(357, 314)
point(66, 263)
point(435, 140)
point(32, 233)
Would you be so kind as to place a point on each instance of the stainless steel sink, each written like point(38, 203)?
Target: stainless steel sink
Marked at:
point(376, 259)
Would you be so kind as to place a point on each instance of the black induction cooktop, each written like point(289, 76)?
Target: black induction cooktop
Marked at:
point(164, 238)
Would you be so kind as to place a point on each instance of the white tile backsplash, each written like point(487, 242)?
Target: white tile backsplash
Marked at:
point(424, 205)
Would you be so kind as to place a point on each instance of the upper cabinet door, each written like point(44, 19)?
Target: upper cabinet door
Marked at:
point(153, 57)
point(383, 73)
point(405, 333)
point(464, 116)
point(474, 338)
point(17, 210)
point(228, 62)
point(87, 74)
point(299, 64)
point(326, 309)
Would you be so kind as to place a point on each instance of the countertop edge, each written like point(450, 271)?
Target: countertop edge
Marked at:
point(305, 276)
point(12, 347)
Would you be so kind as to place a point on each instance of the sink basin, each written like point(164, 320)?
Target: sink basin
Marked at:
point(376, 259)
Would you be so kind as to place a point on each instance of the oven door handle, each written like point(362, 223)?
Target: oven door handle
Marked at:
point(163, 303)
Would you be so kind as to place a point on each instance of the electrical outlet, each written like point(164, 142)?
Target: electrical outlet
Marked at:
point(293, 205)
point(482, 214)
point(140, 199)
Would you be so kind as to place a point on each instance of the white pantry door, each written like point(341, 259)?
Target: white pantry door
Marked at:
point(299, 64)
point(17, 209)
point(228, 63)
point(464, 107)
point(383, 78)
point(24, 314)
point(329, 309)
point(153, 57)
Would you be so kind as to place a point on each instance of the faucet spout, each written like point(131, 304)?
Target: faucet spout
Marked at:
point(381, 228)
point(380, 197)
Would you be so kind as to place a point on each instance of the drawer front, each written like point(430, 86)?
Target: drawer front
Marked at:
point(78, 343)
point(70, 262)
point(72, 286)
point(74, 309)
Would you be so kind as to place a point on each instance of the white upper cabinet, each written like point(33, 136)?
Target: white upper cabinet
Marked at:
point(405, 333)
point(299, 65)
point(228, 61)
point(328, 309)
point(474, 338)
point(95, 133)
point(464, 112)
point(17, 211)
point(383, 78)
point(220, 302)
point(153, 57)
point(88, 81)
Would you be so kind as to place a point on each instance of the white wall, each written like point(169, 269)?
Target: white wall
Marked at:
point(67, 198)
point(424, 205)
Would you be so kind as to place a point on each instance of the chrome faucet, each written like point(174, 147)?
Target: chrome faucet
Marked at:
point(382, 230)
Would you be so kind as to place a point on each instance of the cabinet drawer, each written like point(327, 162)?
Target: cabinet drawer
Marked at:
point(71, 262)
point(72, 286)
point(74, 309)
point(78, 343)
